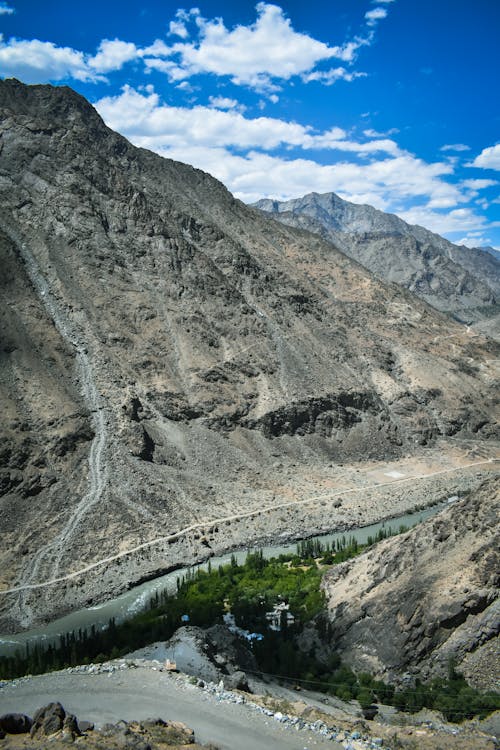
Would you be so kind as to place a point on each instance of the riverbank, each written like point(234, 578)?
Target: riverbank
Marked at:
point(350, 497)
point(130, 603)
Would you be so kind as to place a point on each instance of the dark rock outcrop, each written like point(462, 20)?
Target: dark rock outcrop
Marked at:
point(48, 720)
point(15, 723)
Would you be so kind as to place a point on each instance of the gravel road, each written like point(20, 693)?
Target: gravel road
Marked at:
point(142, 693)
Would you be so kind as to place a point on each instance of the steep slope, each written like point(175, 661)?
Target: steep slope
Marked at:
point(450, 277)
point(174, 357)
point(429, 596)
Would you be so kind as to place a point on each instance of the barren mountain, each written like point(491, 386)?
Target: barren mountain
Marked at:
point(453, 278)
point(419, 600)
point(175, 363)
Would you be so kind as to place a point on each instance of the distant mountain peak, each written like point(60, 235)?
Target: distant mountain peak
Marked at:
point(452, 278)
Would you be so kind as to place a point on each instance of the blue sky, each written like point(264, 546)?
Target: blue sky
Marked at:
point(394, 103)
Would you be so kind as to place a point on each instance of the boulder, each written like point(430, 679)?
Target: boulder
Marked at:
point(15, 723)
point(70, 728)
point(48, 720)
point(85, 726)
point(237, 681)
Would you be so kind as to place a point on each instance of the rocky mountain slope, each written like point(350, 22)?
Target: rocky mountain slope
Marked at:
point(421, 599)
point(171, 356)
point(452, 278)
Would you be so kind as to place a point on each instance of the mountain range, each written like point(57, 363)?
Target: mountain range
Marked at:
point(181, 374)
point(453, 278)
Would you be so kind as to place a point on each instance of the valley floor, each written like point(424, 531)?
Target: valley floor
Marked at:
point(329, 498)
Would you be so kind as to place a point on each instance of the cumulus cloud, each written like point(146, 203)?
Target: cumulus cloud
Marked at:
point(6, 10)
point(478, 184)
point(34, 61)
point(489, 158)
point(178, 28)
point(370, 133)
point(261, 55)
point(153, 124)
point(329, 77)
point(446, 223)
point(257, 55)
point(224, 102)
point(474, 239)
point(112, 55)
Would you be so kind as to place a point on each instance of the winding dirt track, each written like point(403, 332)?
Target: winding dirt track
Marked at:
point(236, 517)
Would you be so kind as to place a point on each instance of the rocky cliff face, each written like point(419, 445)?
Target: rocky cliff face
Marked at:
point(450, 277)
point(416, 601)
point(172, 357)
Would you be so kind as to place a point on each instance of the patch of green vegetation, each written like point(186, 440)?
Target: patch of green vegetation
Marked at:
point(249, 591)
point(452, 696)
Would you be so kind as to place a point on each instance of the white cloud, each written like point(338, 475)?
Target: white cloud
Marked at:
point(157, 48)
point(455, 147)
point(261, 55)
point(449, 222)
point(223, 102)
point(165, 66)
point(185, 86)
point(375, 15)
point(474, 239)
point(329, 77)
point(178, 28)
point(257, 55)
point(6, 10)
point(478, 184)
point(152, 124)
point(34, 61)
point(112, 55)
point(489, 158)
point(370, 133)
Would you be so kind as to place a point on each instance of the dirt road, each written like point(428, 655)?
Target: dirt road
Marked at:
point(141, 693)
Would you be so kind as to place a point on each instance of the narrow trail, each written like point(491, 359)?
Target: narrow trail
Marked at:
point(471, 334)
point(238, 517)
point(53, 552)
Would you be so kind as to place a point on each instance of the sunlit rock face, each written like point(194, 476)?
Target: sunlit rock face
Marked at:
point(452, 278)
point(421, 601)
point(171, 357)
